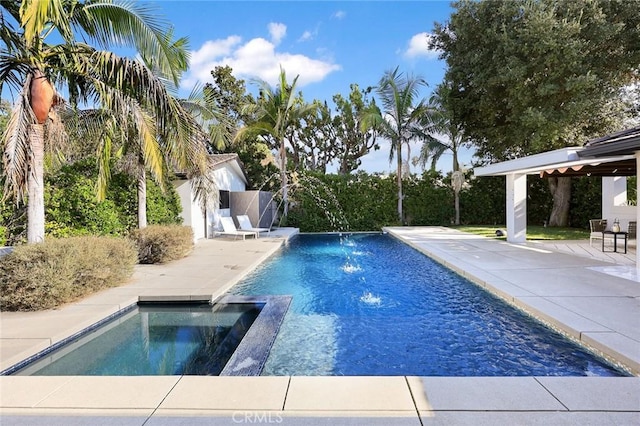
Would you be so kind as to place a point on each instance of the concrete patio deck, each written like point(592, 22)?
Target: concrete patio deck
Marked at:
point(574, 293)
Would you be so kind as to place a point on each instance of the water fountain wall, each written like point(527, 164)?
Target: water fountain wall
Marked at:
point(258, 205)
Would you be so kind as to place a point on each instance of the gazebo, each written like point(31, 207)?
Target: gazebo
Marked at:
point(613, 157)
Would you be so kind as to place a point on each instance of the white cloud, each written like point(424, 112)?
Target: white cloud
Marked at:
point(340, 14)
point(277, 32)
point(419, 47)
point(307, 35)
point(256, 58)
point(205, 59)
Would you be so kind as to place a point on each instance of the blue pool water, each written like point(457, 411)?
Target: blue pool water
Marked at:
point(154, 340)
point(368, 304)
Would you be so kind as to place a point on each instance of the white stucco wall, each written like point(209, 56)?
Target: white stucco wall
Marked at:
point(191, 213)
point(228, 177)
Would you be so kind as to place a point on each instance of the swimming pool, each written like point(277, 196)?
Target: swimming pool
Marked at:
point(231, 337)
point(368, 304)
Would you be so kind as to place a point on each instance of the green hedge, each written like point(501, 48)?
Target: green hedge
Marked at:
point(58, 271)
point(363, 202)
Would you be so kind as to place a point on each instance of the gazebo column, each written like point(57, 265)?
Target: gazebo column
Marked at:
point(637, 154)
point(517, 208)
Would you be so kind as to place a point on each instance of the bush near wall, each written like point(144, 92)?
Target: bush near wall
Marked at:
point(58, 271)
point(539, 200)
point(163, 243)
point(363, 202)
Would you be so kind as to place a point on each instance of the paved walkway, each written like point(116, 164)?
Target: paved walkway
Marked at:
point(582, 248)
point(571, 292)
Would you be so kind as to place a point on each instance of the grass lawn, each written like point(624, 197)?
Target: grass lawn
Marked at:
point(533, 232)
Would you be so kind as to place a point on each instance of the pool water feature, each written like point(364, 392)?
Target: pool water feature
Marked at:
point(230, 337)
point(368, 304)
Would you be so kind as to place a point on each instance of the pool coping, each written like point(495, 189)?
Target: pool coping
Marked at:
point(251, 354)
point(299, 399)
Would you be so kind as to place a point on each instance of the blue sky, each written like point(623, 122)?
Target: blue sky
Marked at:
point(328, 44)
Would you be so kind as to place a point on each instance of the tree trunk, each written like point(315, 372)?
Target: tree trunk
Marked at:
point(35, 185)
point(408, 174)
point(561, 191)
point(456, 201)
point(456, 190)
point(283, 178)
point(142, 196)
point(399, 158)
point(41, 95)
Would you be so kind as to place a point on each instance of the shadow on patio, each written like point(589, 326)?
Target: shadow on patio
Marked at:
point(582, 248)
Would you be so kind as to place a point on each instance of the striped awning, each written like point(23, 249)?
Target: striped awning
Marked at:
point(612, 168)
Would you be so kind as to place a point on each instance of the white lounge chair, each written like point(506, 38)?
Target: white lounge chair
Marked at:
point(245, 225)
point(229, 228)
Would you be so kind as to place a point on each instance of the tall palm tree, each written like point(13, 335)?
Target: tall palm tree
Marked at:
point(433, 148)
point(144, 146)
point(134, 96)
point(276, 111)
point(402, 120)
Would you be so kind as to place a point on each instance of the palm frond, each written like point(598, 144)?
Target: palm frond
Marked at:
point(36, 15)
point(134, 24)
point(56, 136)
point(150, 148)
point(16, 146)
point(12, 71)
point(431, 149)
point(184, 139)
point(11, 38)
point(205, 191)
point(208, 117)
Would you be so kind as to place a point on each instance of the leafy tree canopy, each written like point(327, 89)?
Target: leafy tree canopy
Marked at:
point(529, 76)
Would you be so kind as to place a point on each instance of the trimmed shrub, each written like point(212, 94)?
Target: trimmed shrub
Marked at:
point(58, 271)
point(163, 243)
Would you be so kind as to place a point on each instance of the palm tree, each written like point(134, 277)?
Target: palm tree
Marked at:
point(132, 94)
point(144, 148)
point(433, 148)
point(276, 111)
point(401, 120)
